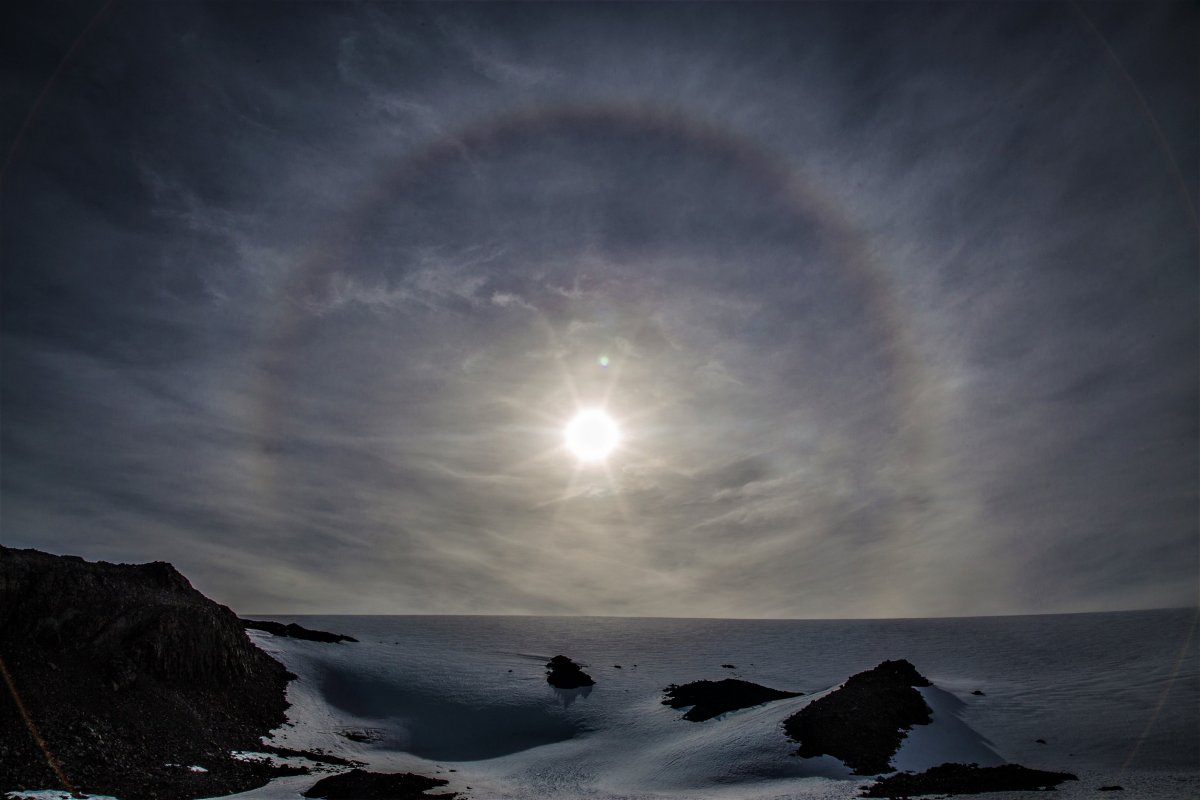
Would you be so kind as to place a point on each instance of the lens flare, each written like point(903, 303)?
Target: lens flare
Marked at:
point(592, 435)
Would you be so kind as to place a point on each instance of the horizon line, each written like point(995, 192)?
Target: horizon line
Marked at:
point(1195, 608)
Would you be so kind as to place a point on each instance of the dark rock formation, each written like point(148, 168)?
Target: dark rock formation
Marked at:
point(359, 784)
point(710, 698)
point(563, 673)
point(863, 722)
point(978, 693)
point(126, 669)
point(728, 666)
point(319, 756)
point(294, 631)
point(966, 779)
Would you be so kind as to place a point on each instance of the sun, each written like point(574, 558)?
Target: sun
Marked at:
point(592, 435)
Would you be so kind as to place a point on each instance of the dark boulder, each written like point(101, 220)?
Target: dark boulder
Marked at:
point(563, 673)
point(711, 698)
point(293, 631)
point(863, 722)
point(966, 779)
point(125, 669)
point(359, 784)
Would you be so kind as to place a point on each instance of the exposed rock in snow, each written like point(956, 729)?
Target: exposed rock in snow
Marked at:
point(359, 784)
point(967, 779)
point(711, 698)
point(294, 631)
point(563, 673)
point(863, 722)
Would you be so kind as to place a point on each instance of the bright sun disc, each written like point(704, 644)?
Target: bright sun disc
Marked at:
point(592, 435)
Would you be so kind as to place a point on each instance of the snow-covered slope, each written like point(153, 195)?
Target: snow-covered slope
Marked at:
point(464, 698)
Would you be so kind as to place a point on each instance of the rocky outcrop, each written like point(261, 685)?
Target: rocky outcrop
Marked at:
point(293, 631)
point(863, 722)
point(563, 673)
point(711, 698)
point(967, 779)
point(319, 756)
point(128, 672)
point(359, 784)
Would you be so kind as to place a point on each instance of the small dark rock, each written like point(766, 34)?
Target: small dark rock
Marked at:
point(711, 698)
point(728, 666)
point(359, 784)
point(1113, 788)
point(616, 666)
point(966, 779)
point(563, 673)
point(978, 693)
point(863, 722)
point(294, 631)
point(1040, 741)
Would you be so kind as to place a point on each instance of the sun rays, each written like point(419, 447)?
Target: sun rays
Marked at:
point(591, 429)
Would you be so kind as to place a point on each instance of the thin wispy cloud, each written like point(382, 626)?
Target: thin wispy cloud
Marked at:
point(895, 306)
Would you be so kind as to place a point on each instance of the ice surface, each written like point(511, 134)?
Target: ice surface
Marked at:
point(1113, 695)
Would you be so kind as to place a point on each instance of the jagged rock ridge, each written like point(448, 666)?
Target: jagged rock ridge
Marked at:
point(127, 669)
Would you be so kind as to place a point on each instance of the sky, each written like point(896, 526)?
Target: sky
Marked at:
point(896, 306)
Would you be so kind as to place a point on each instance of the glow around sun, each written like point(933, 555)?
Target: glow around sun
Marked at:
point(591, 435)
